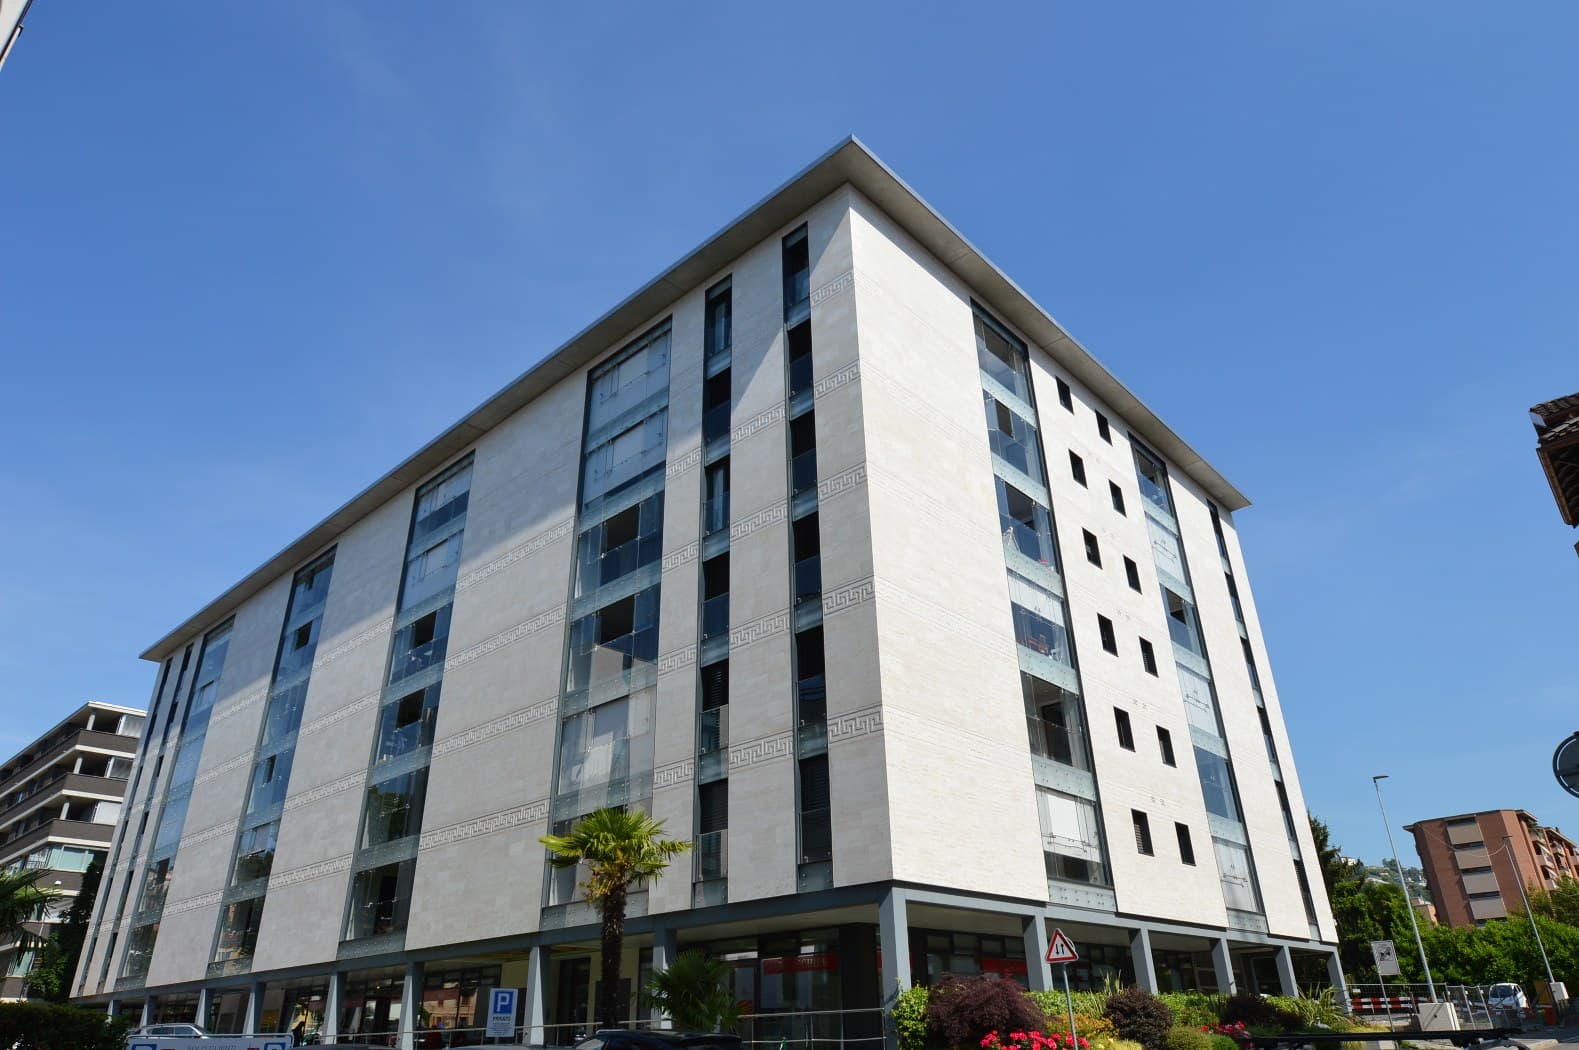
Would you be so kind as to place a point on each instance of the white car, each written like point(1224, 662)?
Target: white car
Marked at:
point(1506, 996)
point(175, 1031)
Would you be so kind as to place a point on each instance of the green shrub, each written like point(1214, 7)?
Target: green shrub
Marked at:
point(1086, 1026)
point(1140, 1016)
point(1256, 1012)
point(961, 1010)
point(1223, 1042)
point(1181, 1037)
point(910, 1018)
point(1193, 1009)
point(53, 1026)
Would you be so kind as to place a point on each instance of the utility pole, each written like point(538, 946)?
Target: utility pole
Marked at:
point(1414, 923)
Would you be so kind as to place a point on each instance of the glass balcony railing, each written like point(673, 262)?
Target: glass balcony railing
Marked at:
point(418, 658)
point(715, 515)
point(1184, 636)
point(808, 579)
point(816, 835)
point(1002, 372)
point(811, 700)
point(1026, 540)
point(715, 423)
point(601, 569)
point(800, 378)
point(713, 730)
point(1020, 456)
point(1155, 493)
point(715, 616)
point(1062, 743)
point(405, 739)
point(712, 855)
point(803, 472)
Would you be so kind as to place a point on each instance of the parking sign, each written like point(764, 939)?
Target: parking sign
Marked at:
point(501, 1011)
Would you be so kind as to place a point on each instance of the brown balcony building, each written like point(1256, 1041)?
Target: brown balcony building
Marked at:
point(59, 800)
point(1474, 862)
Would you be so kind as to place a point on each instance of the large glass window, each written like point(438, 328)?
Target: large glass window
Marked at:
point(607, 645)
point(1233, 864)
point(1053, 715)
point(1001, 358)
point(394, 809)
point(406, 724)
point(1153, 479)
point(612, 741)
point(1071, 837)
point(1026, 524)
point(1038, 620)
point(1013, 439)
point(255, 852)
point(380, 900)
point(238, 930)
point(1216, 784)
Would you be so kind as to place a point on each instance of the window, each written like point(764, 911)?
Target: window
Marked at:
point(716, 335)
point(715, 406)
point(1142, 833)
point(1186, 847)
point(1118, 496)
point(797, 276)
point(1105, 431)
point(1077, 468)
point(1126, 735)
point(715, 509)
point(798, 359)
point(1071, 837)
point(1093, 551)
point(714, 806)
point(715, 685)
point(715, 577)
point(1105, 628)
point(1065, 398)
point(1165, 746)
point(1132, 574)
point(816, 833)
point(1148, 660)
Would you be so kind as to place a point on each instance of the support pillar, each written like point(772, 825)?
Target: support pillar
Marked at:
point(410, 1000)
point(203, 996)
point(1285, 972)
point(253, 1018)
point(1140, 953)
point(1335, 978)
point(1038, 971)
point(329, 1031)
point(893, 945)
point(150, 1011)
point(536, 984)
point(665, 946)
point(113, 1008)
point(1223, 963)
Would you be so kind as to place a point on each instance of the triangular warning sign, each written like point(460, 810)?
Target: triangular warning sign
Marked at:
point(1061, 949)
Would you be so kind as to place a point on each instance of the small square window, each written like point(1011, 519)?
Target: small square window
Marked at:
point(1065, 398)
point(1186, 848)
point(1148, 659)
point(1126, 735)
point(304, 634)
point(1142, 833)
point(1077, 468)
point(1105, 627)
point(1165, 745)
point(1118, 496)
point(1093, 551)
point(1103, 429)
point(1132, 574)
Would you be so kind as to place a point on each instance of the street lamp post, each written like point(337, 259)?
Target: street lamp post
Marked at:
point(1551, 982)
point(1398, 867)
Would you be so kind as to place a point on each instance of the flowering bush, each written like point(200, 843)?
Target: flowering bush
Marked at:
point(1233, 1030)
point(1034, 1041)
point(961, 1010)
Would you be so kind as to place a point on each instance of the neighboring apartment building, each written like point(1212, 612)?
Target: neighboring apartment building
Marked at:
point(1472, 874)
point(12, 12)
point(829, 548)
point(60, 798)
point(1557, 445)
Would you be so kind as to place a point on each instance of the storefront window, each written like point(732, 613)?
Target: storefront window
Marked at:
point(372, 1002)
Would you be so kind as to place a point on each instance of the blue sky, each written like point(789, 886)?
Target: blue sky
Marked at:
point(1333, 244)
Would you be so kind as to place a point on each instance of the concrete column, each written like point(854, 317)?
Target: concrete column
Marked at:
point(1223, 964)
point(410, 999)
point(1033, 928)
point(1335, 978)
point(331, 1007)
point(536, 983)
point(150, 1007)
point(1140, 953)
point(1285, 971)
point(202, 1005)
point(113, 1008)
point(665, 946)
point(893, 941)
point(253, 1018)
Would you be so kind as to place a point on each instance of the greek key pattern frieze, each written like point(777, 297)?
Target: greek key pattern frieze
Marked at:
point(840, 284)
point(323, 791)
point(682, 463)
point(676, 775)
point(756, 424)
point(772, 514)
point(676, 659)
point(842, 482)
point(857, 723)
point(761, 751)
point(377, 630)
point(208, 834)
point(533, 544)
point(674, 559)
point(756, 630)
point(221, 769)
point(848, 596)
point(515, 817)
point(321, 870)
point(519, 719)
point(205, 900)
point(234, 706)
point(338, 715)
point(843, 377)
point(541, 621)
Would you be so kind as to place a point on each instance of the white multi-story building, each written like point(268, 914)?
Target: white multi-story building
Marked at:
point(829, 548)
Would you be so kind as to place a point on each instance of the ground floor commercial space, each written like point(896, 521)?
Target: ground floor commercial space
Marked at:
point(814, 967)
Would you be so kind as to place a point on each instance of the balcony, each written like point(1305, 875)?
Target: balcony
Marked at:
point(800, 375)
point(77, 830)
point(712, 856)
point(816, 836)
point(715, 617)
point(62, 749)
point(808, 579)
point(811, 700)
point(58, 784)
point(803, 472)
point(715, 424)
point(1064, 744)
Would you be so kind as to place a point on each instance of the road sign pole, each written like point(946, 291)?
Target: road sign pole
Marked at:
point(1069, 1001)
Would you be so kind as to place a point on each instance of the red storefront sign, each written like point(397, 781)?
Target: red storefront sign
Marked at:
point(1004, 967)
point(816, 962)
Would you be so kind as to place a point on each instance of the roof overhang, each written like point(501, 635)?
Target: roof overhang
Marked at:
point(850, 162)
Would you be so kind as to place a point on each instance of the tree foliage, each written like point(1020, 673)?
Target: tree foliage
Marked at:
point(1140, 1016)
point(962, 1010)
point(52, 1026)
point(694, 992)
point(51, 977)
point(20, 898)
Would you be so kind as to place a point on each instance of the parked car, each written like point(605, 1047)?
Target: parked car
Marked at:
point(623, 1039)
point(178, 1031)
point(1507, 996)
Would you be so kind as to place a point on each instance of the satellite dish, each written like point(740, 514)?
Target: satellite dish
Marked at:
point(1565, 765)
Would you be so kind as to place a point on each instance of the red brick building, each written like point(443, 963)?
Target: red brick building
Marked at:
point(1471, 871)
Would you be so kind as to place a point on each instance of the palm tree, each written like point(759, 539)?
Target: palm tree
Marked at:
point(20, 899)
point(621, 851)
point(694, 991)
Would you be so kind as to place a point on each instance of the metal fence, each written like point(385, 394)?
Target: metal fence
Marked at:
point(1400, 1002)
